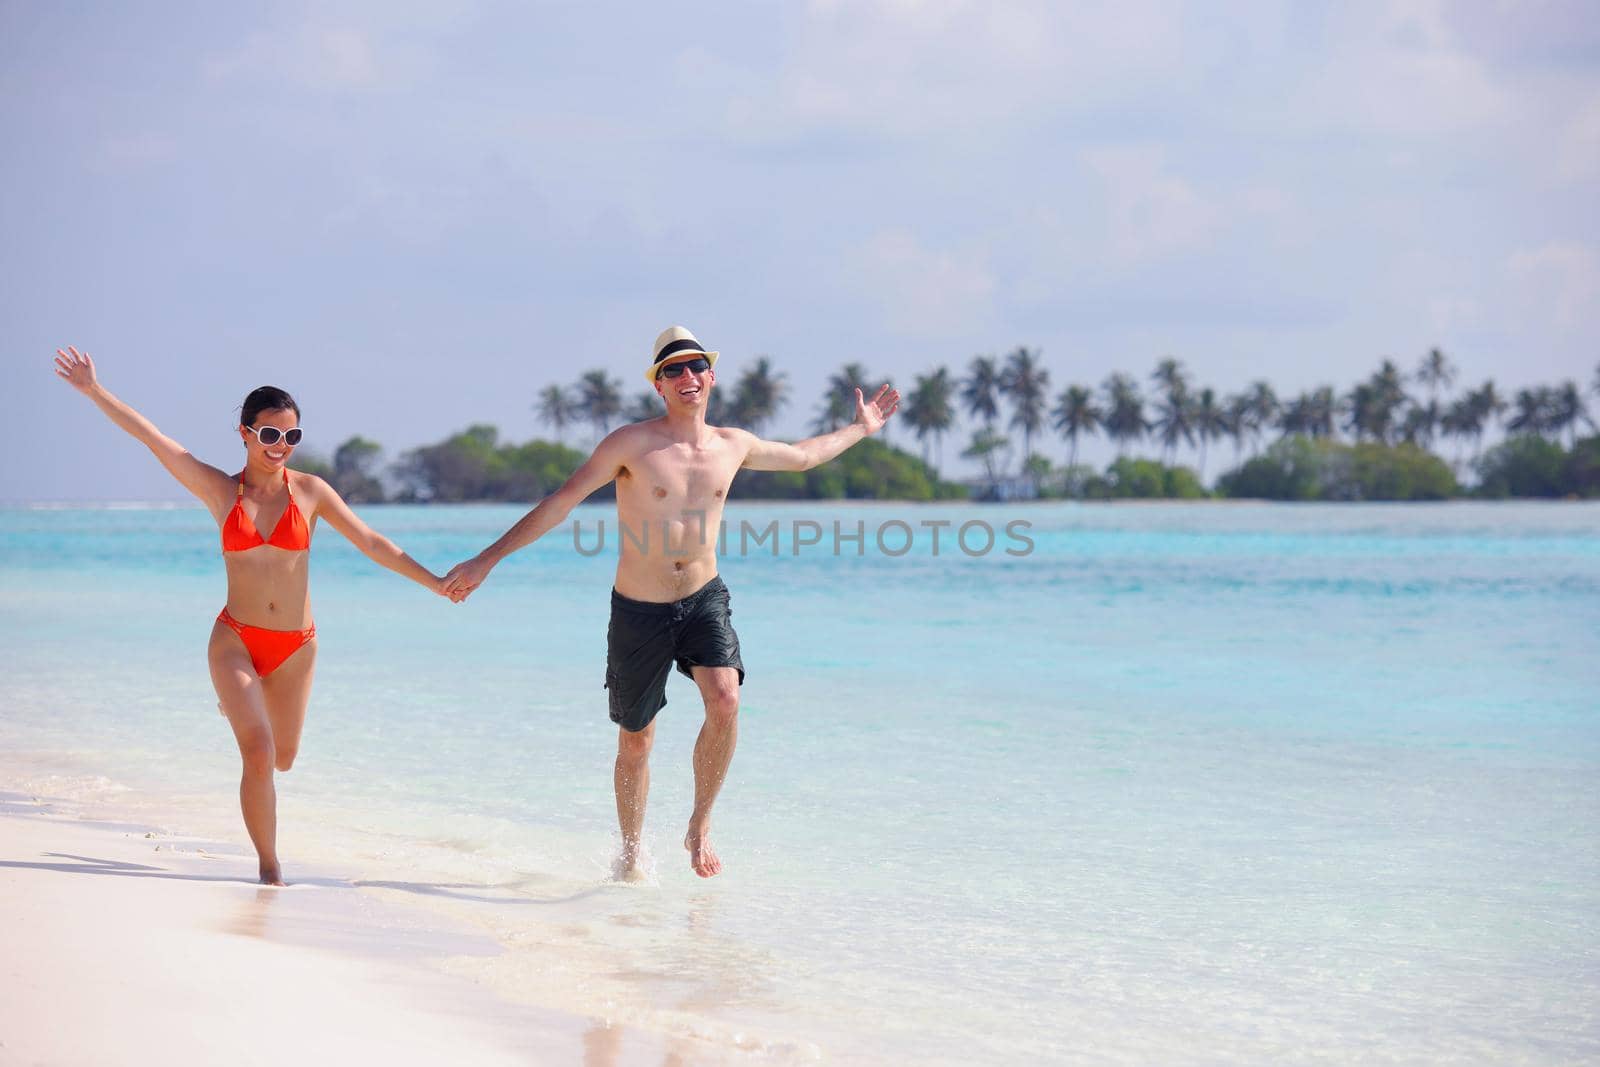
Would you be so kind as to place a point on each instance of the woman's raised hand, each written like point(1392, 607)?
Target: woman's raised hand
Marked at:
point(76, 368)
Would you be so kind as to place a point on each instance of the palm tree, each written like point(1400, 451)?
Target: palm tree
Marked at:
point(839, 402)
point(1462, 421)
point(1372, 406)
point(1237, 415)
point(1488, 406)
point(1027, 383)
point(1169, 374)
point(600, 400)
point(1322, 412)
point(1211, 423)
point(1359, 411)
point(1420, 424)
point(758, 395)
point(1435, 371)
point(832, 414)
point(1567, 410)
point(911, 413)
point(985, 446)
point(980, 390)
point(646, 404)
point(1532, 411)
point(929, 411)
point(1388, 396)
point(1260, 412)
point(1124, 411)
point(556, 408)
point(1294, 418)
point(1310, 414)
point(1173, 420)
point(1075, 414)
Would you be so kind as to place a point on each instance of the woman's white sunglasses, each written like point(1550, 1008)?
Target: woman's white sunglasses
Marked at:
point(271, 435)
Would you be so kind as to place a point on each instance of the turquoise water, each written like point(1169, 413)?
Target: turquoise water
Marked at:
point(1198, 782)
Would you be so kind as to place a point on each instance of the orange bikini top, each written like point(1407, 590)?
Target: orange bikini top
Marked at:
point(240, 534)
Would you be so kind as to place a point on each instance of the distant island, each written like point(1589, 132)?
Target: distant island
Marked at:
point(1374, 442)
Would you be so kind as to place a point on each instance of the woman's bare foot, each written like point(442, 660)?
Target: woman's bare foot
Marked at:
point(702, 857)
point(272, 874)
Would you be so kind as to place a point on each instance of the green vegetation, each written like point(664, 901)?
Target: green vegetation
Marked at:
point(1125, 479)
point(871, 470)
point(1526, 464)
point(473, 465)
point(1385, 452)
point(1305, 468)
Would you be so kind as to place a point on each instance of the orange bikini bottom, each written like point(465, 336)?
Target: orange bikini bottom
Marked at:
point(268, 648)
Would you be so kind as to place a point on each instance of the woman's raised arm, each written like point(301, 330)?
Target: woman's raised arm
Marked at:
point(211, 485)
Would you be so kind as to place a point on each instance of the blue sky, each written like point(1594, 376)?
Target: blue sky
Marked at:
point(415, 216)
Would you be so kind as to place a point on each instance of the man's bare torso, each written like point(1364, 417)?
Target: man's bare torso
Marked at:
point(670, 496)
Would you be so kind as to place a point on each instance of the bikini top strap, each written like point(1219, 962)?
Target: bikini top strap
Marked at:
point(238, 493)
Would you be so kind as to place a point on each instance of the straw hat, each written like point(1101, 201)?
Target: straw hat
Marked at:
point(672, 342)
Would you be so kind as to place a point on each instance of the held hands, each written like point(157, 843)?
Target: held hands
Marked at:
point(871, 416)
point(75, 368)
point(464, 578)
point(442, 587)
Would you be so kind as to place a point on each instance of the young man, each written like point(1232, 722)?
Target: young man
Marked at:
point(668, 605)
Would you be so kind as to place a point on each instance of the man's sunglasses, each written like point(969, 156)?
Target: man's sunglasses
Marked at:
point(271, 435)
point(699, 365)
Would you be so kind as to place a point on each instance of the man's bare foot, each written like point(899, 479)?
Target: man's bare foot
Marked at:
point(630, 864)
point(272, 875)
point(702, 857)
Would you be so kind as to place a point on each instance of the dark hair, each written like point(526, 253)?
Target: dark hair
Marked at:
point(266, 398)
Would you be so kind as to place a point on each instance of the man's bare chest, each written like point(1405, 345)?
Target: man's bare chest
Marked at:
point(680, 477)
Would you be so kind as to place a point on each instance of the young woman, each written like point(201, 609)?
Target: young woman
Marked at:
point(264, 644)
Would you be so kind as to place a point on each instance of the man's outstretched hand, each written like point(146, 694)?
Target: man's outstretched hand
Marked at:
point(465, 577)
point(872, 416)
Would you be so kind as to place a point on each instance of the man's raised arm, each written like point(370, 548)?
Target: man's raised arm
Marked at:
point(601, 467)
point(813, 451)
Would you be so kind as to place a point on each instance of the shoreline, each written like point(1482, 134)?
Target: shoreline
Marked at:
point(493, 961)
point(168, 945)
point(176, 955)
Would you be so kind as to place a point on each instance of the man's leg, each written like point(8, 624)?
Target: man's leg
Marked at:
point(632, 780)
point(713, 751)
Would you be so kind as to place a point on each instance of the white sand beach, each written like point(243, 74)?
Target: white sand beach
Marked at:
point(126, 946)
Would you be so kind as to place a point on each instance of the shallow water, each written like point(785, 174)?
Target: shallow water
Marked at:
point(1170, 781)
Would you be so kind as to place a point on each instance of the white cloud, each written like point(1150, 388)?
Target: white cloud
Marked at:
point(1451, 314)
point(1405, 72)
point(1578, 151)
point(1282, 219)
point(1151, 214)
point(922, 292)
point(137, 151)
point(1558, 283)
point(944, 69)
point(318, 57)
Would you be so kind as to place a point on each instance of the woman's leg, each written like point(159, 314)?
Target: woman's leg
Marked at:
point(239, 692)
point(287, 691)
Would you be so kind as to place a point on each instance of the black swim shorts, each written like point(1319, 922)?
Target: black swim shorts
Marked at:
point(644, 639)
